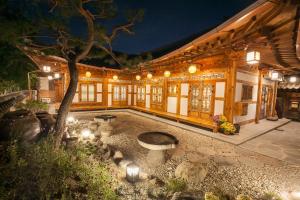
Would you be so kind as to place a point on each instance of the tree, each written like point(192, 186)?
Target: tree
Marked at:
point(47, 27)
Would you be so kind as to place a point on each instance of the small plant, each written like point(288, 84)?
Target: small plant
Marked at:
point(176, 185)
point(33, 105)
point(228, 128)
point(271, 196)
point(219, 119)
point(243, 197)
point(210, 196)
point(8, 86)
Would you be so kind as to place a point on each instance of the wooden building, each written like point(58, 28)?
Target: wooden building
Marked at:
point(231, 70)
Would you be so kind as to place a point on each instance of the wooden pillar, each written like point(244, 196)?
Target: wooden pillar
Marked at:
point(230, 89)
point(105, 91)
point(165, 90)
point(273, 110)
point(259, 92)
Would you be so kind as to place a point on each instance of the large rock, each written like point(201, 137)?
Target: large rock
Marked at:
point(47, 122)
point(194, 172)
point(20, 124)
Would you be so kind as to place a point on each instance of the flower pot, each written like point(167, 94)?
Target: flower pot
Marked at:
point(237, 128)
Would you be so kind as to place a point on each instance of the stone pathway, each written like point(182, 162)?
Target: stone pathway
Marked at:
point(235, 169)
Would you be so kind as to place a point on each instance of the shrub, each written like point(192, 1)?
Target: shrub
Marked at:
point(271, 196)
point(228, 128)
point(210, 196)
point(176, 185)
point(8, 86)
point(42, 172)
point(243, 197)
point(33, 105)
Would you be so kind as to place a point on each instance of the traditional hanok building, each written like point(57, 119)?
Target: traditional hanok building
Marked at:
point(233, 70)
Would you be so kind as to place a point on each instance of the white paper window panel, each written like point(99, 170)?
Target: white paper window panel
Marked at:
point(129, 88)
point(99, 87)
point(220, 89)
point(219, 107)
point(129, 99)
point(172, 105)
point(238, 92)
point(254, 92)
point(44, 83)
point(184, 89)
point(109, 99)
point(134, 89)
point(184, 106)
point(247, 77)
point(109, 88)
point(148, 88)
point(134, 100)
point(147, 101)
point(250, 115)
point(75, 99)
point(99, 97)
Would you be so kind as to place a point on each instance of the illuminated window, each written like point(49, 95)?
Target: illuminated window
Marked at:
point(157, 94)
point(206, 98)
point(172, 89)
point(119, 93)
point(195, 98)
point(141, 93)
point(294, 105)
point(87, 92)
point(116, 93)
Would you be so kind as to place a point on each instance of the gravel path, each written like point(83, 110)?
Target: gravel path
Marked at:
point(233, 169)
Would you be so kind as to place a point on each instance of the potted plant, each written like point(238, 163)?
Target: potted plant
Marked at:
point(227, 128)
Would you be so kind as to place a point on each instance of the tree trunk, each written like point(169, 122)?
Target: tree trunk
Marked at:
point(66, 102)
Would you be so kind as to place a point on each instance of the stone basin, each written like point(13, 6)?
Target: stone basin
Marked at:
point(157, 143)
point(104, 128)
point(105, 118)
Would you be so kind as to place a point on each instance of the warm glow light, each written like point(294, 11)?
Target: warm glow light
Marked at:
point(293, 79)
point(70, 119)
point(88, 74)
point(167, 74)
point(274, 76)
point(50, 78)
point(132, 172)
point(253, 57)
point(86, 133)
point(56, 75)
point(115, 77)
point(149, 75)
point(46, 68)
point(138, 77)
point(192, 69)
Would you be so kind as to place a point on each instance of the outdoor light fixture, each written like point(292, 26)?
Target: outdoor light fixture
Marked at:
point(167, 74)
point(293, 79)
point(138, 77)
point(46, 68)
point(132, 173)
point(70, 119)
point(253, 57)
point(149, 75)
point(50, 78)
point(86, 133)
point(56, 75)
point(192, 69)
point(88, 74)
point(115, 77)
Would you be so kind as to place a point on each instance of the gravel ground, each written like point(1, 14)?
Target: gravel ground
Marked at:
point(233, 169)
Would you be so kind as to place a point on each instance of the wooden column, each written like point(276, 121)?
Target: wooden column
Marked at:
point(230, 89)
point(273, 111)
point(105, 91)
point(259, 92)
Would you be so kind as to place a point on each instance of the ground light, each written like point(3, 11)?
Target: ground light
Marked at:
point(86, 133)
point(132, 173)
point(70, 119)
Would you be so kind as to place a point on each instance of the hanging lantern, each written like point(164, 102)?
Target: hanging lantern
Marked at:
point(192, 69)
point(253, 57)
point(293, 79)
point(167, 74)
point(46, 68)
point(132, 173)
point(50, 78)
point(56, 75)
point(149, 75)
point(88, 74)
point(115, 77)
point(138, 77)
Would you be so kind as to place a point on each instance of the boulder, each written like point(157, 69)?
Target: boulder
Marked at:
point(20, 124)
point(47, 122)
point(194, 172)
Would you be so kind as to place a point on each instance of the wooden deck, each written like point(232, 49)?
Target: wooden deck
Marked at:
point(179, 118)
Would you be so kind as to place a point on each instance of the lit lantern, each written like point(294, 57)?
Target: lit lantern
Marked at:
point(138, 77)
point(46, 68)
point(293, 79)
point(50, 78)
point(167, 74)
point(192, 69)
point(56, 75)
point(274, 76)
point(115, 77)
point(149, 75)
point(86, 133)
point(70, 119)
point(253, 57)
point(132, 172)
point(88, 74)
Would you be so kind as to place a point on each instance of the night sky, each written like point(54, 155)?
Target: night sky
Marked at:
point(167, 21)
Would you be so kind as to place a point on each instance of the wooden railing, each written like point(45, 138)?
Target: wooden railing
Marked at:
point(9, 100)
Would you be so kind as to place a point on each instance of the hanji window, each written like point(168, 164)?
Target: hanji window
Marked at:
point(140, 93)
point(87, 92)
point(294, 105)
point(195, 93)
point(247, 91)
point(172, 90)
point(206, 97)
point(123, 93)
point(157, 94)
point(116, 96)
